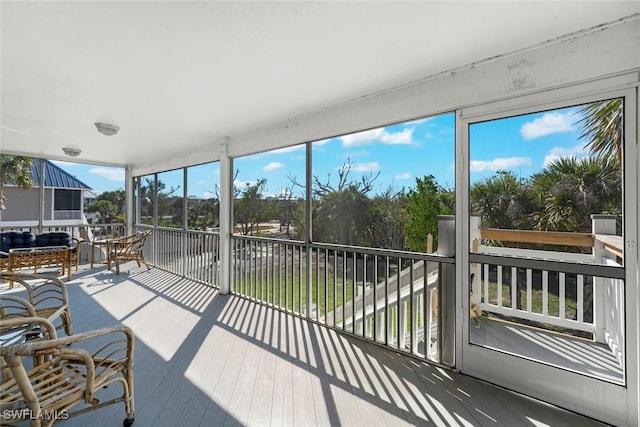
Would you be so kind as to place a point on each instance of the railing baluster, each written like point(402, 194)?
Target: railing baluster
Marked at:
point(580, 298)
point(387, 315)
point(344, 289)
point(485, 285)
point(562, 296)
point(499, 285)
point(545, 293)
point(529, 290)
point(514, 287)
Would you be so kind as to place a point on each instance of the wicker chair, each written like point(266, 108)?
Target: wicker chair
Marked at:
point(129, 248)
point(46, 294)
point(44, 377)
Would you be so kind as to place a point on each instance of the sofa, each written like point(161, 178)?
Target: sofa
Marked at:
point(26, 239)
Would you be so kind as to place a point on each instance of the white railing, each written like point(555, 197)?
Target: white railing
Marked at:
point(192, 254)
point(380, 295)
point(494, 279)
point(589, 303)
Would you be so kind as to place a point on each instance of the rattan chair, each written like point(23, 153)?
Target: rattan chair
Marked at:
point(46, 294)
point(127, 249)
point(45, 378)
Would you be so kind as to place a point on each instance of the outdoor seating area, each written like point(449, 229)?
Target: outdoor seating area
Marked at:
point(24, 249)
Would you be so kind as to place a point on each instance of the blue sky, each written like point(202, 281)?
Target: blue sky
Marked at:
point(99, 178)
point(399, 153)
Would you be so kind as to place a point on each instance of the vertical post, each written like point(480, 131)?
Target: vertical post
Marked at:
point(602, 300)
point(474, 283)
point(41, 190)
point(447, 290)
point(226, 216)
point(129, 200)
point(185, 217)
point(309, 234)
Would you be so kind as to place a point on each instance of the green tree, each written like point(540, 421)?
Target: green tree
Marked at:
point(14, 170)
point(424, 204)
point(151, 194)
point(117, 198)
point(601, 125)
point(502, 200)
point(202, 214)
point(387, 218)
point(249, 210)
point(105, 209)
point(341, 210)
point(568, 191)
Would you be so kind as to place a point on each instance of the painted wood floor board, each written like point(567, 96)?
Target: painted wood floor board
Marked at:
point(282, 399)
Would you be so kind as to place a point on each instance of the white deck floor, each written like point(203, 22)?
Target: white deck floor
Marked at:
point(212, 360)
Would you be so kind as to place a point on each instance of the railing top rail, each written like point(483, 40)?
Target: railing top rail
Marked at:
point(539, 237)
point(353, 249)
point(266, 239)
point(612, 244)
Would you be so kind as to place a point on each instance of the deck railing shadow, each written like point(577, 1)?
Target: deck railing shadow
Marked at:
point(151, 372)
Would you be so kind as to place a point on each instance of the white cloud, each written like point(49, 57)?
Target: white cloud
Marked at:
point(321, 142)
point(556, 153)
point(418, 122)
point(365, 167)
point(112, 174)
point(498, 164)
point(370, 136)
point(243, 184)
point(548, 124)
point(208, 195)
point(273, 166)
point(403, 176)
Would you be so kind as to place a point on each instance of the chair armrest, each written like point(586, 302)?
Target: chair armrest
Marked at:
point(47, 290)
point(14, 331)
point(27, 349)
point(20, 307)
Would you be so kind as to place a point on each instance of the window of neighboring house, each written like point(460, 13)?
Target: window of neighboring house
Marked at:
point(67, 200)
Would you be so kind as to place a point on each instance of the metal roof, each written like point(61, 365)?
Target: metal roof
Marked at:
point(55, 176)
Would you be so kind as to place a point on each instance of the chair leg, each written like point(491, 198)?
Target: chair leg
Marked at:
point(66, 322)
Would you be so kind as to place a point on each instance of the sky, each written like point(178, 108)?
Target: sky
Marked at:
point(395, 155)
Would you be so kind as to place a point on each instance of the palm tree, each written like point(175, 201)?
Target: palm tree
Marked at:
point(601, 125)
point(502, 200)
point(568, 191)
point(14, 170)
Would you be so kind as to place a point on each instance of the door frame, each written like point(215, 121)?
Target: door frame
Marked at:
point(592, 397)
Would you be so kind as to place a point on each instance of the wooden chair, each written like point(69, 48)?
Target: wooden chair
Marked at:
point(44, 377)
point(129, 248)
point(47, 295)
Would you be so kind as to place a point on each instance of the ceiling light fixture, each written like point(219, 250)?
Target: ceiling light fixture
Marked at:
point(72, 152)
point(107, 128)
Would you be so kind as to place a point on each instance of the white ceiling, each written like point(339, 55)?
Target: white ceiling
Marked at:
point(175, 75)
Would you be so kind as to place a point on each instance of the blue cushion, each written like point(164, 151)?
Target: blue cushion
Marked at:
point(17, 239)
point(54, 238)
